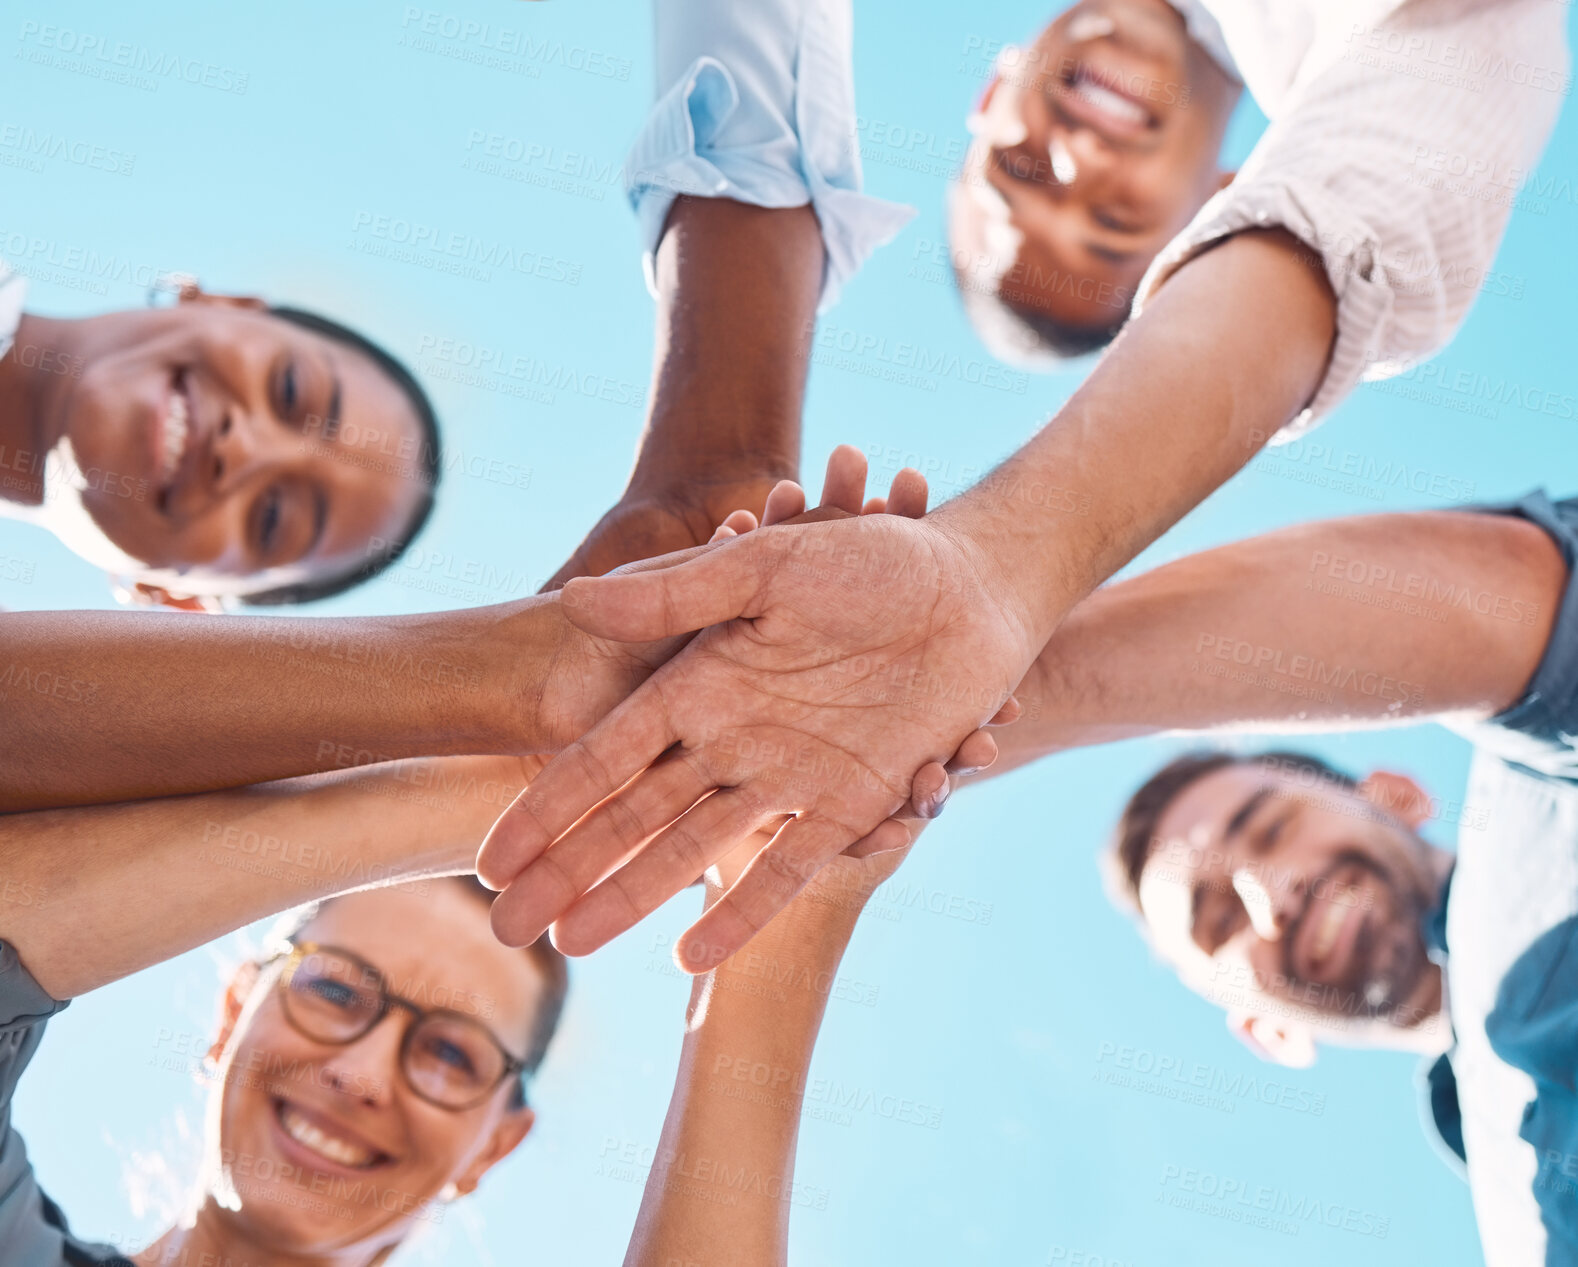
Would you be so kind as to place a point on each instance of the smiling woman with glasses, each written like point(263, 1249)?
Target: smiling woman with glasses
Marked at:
point(449, 1059)
point(367, 1069)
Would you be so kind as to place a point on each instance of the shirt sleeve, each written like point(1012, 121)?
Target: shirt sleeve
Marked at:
point(28, 1234)
point(756, 102)
point(1538, 731)
point(1548, 711)
point(1397, 158)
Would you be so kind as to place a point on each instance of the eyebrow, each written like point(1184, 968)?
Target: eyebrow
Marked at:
point(334, 399)
point(1245, 812)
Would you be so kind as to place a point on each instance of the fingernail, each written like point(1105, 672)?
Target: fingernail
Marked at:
point(939, 799)
point(695, 959)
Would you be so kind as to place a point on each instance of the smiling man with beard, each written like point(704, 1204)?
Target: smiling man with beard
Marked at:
point(1398, 134)
point(1304, 901)
point(1293, 895)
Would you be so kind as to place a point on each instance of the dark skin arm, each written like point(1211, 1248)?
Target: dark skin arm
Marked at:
point(148, 704)
point(737, 294)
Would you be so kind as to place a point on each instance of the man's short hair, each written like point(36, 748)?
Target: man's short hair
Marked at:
point(1135, 838)
point(378, 559)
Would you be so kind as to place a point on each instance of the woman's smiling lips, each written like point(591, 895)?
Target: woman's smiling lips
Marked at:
point(173, 436)
point(317, 1140)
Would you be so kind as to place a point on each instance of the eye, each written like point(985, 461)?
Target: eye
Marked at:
point(453, 1055)
point(1108, 221)
point(336, 993)
point(1272, 831)
point(268, 519)
point(287, 390)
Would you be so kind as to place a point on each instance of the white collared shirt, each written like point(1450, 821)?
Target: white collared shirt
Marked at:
point(756, 102)
point(1401, 136)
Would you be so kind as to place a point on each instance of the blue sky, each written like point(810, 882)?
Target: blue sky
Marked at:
point(309, 132)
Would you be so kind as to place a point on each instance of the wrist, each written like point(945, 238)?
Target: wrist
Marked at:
point(712, 482)
point(522, 643)
point(795, 958)
point(1023, 585)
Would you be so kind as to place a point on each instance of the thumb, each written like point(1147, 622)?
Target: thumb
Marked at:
point(719, 584)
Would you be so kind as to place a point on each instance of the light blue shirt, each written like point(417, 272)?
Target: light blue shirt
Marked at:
point(756, 102)
point(1512, 941)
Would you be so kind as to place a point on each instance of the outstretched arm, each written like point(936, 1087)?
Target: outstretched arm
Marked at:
point(721, 1185)
point(202, 866)
point(110, 706)
point(158, 704)
point(1363, 621)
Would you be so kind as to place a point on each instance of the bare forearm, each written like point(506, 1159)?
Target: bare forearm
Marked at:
point(1230, 350)
point(1373, 620)
point(93, 894)
point(721, 1185)
point(737, 293)
point(109, 706)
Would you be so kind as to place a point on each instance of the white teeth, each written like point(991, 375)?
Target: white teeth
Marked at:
point(1090, 26)
point(328, 1146)
point(1326, 934)
point(1109, 102)
point(176, 430)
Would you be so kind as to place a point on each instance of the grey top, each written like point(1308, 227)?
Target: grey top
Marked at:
point(33, 1232)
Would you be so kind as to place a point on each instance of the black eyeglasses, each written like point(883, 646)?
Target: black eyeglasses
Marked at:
point(334, 997)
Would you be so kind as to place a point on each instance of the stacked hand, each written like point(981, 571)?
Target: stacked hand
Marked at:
point(840, 663)
point(643, 526)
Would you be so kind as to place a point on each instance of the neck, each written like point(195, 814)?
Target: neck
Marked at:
point(34, 376)
point(212, 1237)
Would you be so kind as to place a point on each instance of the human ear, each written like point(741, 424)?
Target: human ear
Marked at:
point(1398, 795)
point(195, 294)
point(1285, 1043)
point(235, 999)
point(505, 1137)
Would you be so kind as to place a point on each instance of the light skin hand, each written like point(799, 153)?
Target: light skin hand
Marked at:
point(793, 582)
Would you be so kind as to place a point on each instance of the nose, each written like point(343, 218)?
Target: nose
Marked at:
point(1078, 154)
point(242, 442)
point(1269, 905)
point(366, 1069)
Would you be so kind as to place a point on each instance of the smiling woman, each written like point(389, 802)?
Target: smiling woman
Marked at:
point(219, 449)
